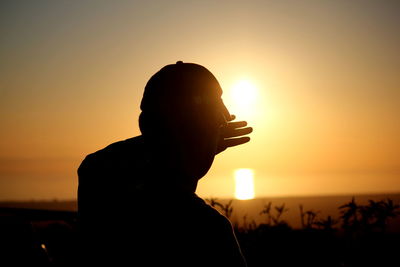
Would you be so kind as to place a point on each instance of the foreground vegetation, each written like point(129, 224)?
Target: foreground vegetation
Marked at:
point(358, 237)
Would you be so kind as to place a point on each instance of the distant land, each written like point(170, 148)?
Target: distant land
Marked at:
point(59, 205)
point(325, 205)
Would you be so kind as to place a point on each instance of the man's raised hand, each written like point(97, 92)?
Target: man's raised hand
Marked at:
point(232, 134)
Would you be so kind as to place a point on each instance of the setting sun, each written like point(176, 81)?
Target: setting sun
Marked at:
point(243, 96)
point(244, 184)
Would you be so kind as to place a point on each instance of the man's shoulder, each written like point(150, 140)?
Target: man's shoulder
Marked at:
point(129, 148)
point(123, 146)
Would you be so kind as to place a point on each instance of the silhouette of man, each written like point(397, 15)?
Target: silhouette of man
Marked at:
point(136, 198)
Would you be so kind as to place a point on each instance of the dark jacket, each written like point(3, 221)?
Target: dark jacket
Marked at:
point(128, 215)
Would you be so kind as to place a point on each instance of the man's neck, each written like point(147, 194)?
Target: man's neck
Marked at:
point(161, 174)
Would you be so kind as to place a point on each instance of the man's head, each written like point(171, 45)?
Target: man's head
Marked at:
point(182, 112)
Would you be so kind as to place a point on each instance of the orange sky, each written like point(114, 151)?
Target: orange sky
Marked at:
point(326, 119)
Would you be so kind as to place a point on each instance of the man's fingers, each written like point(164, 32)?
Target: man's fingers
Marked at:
point(236, 124)
point(232, 118)
point(228, 133)
point(236, 141)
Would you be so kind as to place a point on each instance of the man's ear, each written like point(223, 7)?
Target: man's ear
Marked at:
point(149, 124)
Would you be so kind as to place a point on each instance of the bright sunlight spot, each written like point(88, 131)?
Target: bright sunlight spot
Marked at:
point(244, 183)
point(243, 96)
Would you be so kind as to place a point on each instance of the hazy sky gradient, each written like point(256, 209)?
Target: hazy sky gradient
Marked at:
point(327, 119)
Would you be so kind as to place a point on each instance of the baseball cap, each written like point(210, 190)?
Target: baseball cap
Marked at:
point(181, 81)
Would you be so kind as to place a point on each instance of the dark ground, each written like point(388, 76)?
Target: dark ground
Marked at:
point(359, 236)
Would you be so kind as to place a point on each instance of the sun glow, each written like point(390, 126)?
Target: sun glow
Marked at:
point(243, 96)
point(244, 184)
